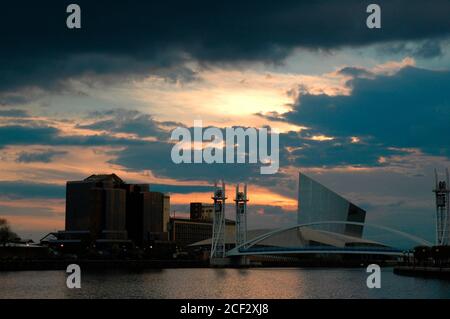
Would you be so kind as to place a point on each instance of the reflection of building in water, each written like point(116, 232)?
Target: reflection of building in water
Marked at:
point(316, 203)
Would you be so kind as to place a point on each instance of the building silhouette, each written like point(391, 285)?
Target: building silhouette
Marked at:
point(103, 209)
point(147, 214)
point(97, 205)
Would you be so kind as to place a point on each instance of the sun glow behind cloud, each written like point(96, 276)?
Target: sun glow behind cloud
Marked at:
point(228, 97)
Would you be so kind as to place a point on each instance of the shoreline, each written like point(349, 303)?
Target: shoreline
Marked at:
point(44, 265)
point(421, 271)
point(37, 265)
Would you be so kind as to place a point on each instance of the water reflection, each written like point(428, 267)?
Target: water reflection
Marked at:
point(220, 283)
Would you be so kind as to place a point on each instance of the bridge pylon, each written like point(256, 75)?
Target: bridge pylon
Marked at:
point(241, 218)
point(217, 256)
point(442, 192)
point(241, 215)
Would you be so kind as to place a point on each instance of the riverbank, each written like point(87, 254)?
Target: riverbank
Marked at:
point(434, 272)
point(20, 265)
point(105, 264)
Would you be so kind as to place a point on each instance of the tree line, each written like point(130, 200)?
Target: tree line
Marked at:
point(6, 234)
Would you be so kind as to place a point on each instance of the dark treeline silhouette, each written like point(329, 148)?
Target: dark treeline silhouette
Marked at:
point(6, 235)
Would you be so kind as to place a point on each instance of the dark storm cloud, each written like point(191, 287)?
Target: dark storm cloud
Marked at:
point(355, 72)
point(25, 189)
point(12, 99)
point(138, 37)
point(42, 157)
point(18, 189)
point(137, 155)
point(45, 135)
point(408, 109)
point(426, 49)
point(17, 134)
point(156, 156)
point(300, 151)
point(13, 113)
point(296, 149)
point(429, 49)
point(130, 121)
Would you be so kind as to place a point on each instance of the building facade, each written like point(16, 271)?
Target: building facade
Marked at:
point(201, 211)
point(317, 203)
point(97, 205)
point(187, 231)
point(104, 207)
point(147, 215)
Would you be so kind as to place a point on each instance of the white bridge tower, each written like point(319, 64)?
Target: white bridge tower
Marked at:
point(218, 235)
point(241, 215)
point(442, 192)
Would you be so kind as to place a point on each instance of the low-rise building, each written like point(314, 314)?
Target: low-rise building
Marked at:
point(201, 211)
point(187, 231)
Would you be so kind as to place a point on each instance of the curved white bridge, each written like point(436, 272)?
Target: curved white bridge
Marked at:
point(248, 248)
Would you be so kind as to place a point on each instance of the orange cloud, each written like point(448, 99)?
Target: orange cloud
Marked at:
point(257, 195)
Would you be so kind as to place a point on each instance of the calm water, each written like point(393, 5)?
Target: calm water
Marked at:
point(221, 283)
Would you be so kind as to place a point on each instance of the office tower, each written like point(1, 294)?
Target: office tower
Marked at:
point(97, 205)
point(103, 207)
point(147, 214)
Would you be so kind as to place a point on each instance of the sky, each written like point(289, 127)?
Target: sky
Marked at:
point(364, 111)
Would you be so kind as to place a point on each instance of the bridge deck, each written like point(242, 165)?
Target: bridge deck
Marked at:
point(316, 250)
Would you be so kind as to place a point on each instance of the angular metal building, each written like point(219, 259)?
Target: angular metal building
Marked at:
point(317, 203)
